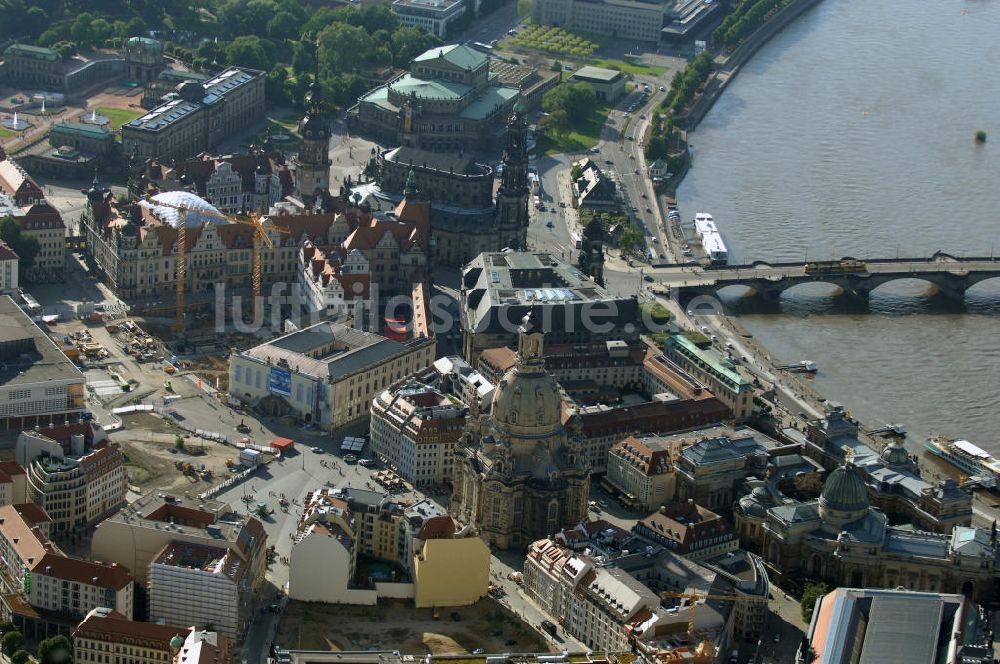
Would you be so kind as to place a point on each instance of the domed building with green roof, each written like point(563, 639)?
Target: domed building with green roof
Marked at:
point(842, 539)
point(448, 102)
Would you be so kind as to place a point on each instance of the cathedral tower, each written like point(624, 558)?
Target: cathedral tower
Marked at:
point(312, 164)
point(512, 197)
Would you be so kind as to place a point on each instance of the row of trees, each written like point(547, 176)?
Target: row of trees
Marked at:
point(743, 20)
point(686, 82)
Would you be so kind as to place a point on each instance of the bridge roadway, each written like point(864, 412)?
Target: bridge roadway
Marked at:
point(949, 275)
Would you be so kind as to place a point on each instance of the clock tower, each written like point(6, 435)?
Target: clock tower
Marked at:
point(512, 197)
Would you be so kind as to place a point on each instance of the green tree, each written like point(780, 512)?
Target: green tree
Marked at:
point(136, 27)
point(408, 42)
point(283, 25)
point(80, 30)
point(12, 642)
point(25, 246)
point(56, 650)
point(342, 47)
point(20, 657)
point(631, 238)
point(303, 61)
point(576, 99)
point(557, 121)
point(249, 51)
point(35, 20)
point(811, 593)
point(100, 30)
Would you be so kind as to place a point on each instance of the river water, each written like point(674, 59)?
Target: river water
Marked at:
point(851, 134)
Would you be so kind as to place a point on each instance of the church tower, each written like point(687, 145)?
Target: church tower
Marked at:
point(512, 197)
point(312, 164)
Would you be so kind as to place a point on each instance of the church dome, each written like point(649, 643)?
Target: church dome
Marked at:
point(895, 454)
point(200, 211)
point(527, 402)
point(844, 491)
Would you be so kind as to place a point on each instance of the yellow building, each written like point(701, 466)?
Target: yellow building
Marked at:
point(451, 572)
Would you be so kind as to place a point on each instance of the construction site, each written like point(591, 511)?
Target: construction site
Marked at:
point(394, 624)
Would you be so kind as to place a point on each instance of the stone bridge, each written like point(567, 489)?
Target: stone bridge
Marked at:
point(948, 275)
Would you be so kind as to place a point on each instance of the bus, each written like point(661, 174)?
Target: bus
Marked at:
point(828, 267)
point(480, 46)
point(577, 240)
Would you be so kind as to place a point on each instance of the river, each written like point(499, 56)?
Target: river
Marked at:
point(851, 134)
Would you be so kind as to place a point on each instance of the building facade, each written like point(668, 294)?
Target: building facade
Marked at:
point(143, 59)
point(326, 373)
point(9, 261)
point(644, 468)
point(414, 430)
point(433, 16)
point(689, 530)
point(634, 20)
point(719, 373)
point(44, 589)
point(77, 492)
point(203, 115)
point(446, 103)
point(201, 585)
point(35, 67)
point(519, 474)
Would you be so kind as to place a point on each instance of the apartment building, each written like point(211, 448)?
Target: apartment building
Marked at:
point(327, 373)
point(204, 647)
point(414, 429)
point(38, 383)
point(43, 587)
point(77, 491)
point(689, 530)
point(199, 118)
point(634, 20)
point(135, 535)
point(642, 470)
point(201, 584)
point(107, 637)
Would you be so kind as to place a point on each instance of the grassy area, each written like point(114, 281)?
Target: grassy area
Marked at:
point(629, 67)
point(551, 40)
point(580, 137)
point(5, 133)
point(118, 116)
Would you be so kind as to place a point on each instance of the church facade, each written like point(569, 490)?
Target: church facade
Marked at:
point(520, 475)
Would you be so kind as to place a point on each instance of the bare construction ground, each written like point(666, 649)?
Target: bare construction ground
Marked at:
point(396, 625)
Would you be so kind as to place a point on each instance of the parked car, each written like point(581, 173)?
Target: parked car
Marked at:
point(366, 462)
point(350, 458)
point(317, 450)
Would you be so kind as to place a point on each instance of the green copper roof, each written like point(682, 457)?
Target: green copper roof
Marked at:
point(597, 74)
point(429, 89)
point(80, 129)
point(844, 490)
point(458, 55)
point(488, 102)
point(38, 52)
point(712, 359)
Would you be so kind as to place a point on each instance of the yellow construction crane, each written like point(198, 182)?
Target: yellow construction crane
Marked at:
point(694, 597)
point(260, 237)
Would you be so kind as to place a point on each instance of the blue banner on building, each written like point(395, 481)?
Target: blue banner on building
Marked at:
point(280, 382)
